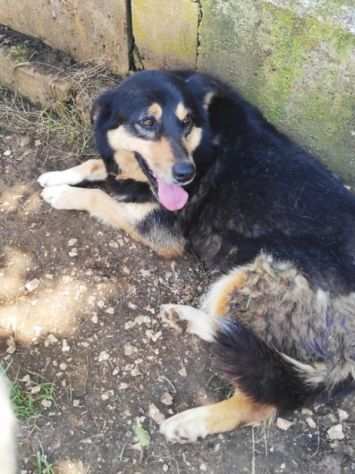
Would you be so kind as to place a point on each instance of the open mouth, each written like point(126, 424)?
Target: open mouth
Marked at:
point(170, 195)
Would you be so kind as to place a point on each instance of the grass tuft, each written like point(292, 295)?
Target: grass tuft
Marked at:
point(42, 464)
point(28, 403)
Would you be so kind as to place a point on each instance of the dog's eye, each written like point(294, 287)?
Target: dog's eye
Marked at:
point(147, 122)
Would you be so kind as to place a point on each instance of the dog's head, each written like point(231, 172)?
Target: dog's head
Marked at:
point(154, 115)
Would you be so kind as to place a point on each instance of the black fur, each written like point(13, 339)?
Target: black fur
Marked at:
point(260, 371)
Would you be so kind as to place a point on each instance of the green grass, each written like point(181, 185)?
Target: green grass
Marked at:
point(28, 405)
point(42, 464)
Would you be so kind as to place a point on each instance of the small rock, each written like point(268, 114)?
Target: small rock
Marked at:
point(155, 414)
point(25, 141)
point(167, 399)
point(135, 372)
point(103, 356)
point(38, 142)
point(63, 366)
point(311, 423)
point(35, 389)
point(101, 304)
point(182, 372)
point(203, 467)
point(343, 415)
point(32, 285)
point(110, 310)
point(7, 153)
point(336, 432)
point(11, 345)
point(123, 386)
point(283, 424)
point(46, 403)
point(107, 395)
point(129, 349)
point(76, 403)
point(65, 346)
point(50, 339)
point(307, 412)
point(72, 242)
point(73, 252)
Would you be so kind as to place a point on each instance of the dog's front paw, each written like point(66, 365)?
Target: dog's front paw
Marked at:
point(186, 427)
point(57, 178)
point(59, 197)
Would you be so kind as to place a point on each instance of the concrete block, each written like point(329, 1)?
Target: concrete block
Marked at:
point(295, 59)
point(88, 30)
point(40, 84)
point(165, 32)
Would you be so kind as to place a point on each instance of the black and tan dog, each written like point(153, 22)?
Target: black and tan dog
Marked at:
point(190, 164)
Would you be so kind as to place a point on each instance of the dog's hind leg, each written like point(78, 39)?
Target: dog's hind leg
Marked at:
point(203, 322)
point(90, 170)
point(189, 425)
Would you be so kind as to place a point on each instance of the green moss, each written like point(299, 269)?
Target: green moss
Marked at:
point(299, 70)
point(301, 83)
point(20, 53)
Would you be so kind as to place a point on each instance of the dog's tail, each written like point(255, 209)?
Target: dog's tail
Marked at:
point(261, 372)
point(7, 431)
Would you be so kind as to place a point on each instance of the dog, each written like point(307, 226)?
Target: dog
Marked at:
point(8, 430)
point(188, 164)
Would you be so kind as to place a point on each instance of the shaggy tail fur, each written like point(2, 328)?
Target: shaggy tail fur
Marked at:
point(7, 431)
point(261, 372)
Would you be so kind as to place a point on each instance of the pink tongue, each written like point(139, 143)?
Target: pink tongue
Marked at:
point(171, 196)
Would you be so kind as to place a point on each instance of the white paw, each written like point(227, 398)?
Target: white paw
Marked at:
point(58, 197)
point(186, 427)
point(56, 178)
point(199, 323)
point(170, 316)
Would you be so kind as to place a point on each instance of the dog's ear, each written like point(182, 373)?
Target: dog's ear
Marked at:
point(104, 117)
point(103, 113)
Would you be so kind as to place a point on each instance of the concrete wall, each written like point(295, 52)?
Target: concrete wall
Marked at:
point(89, 30)
point(166, 32)
point(295, 59)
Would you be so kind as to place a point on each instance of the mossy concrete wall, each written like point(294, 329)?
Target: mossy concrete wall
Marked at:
point(89, 30)
point(295, 59)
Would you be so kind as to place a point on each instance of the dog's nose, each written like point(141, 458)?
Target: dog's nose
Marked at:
point(183, 172)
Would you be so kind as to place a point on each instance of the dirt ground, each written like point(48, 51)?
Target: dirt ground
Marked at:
point(84, 300)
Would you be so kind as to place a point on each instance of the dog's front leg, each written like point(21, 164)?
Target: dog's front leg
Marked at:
point(90, 170)
point(129, 217)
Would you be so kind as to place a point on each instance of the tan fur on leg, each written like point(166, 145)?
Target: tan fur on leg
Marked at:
point(227, 415)
point(90, 170)
point(218, 297)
